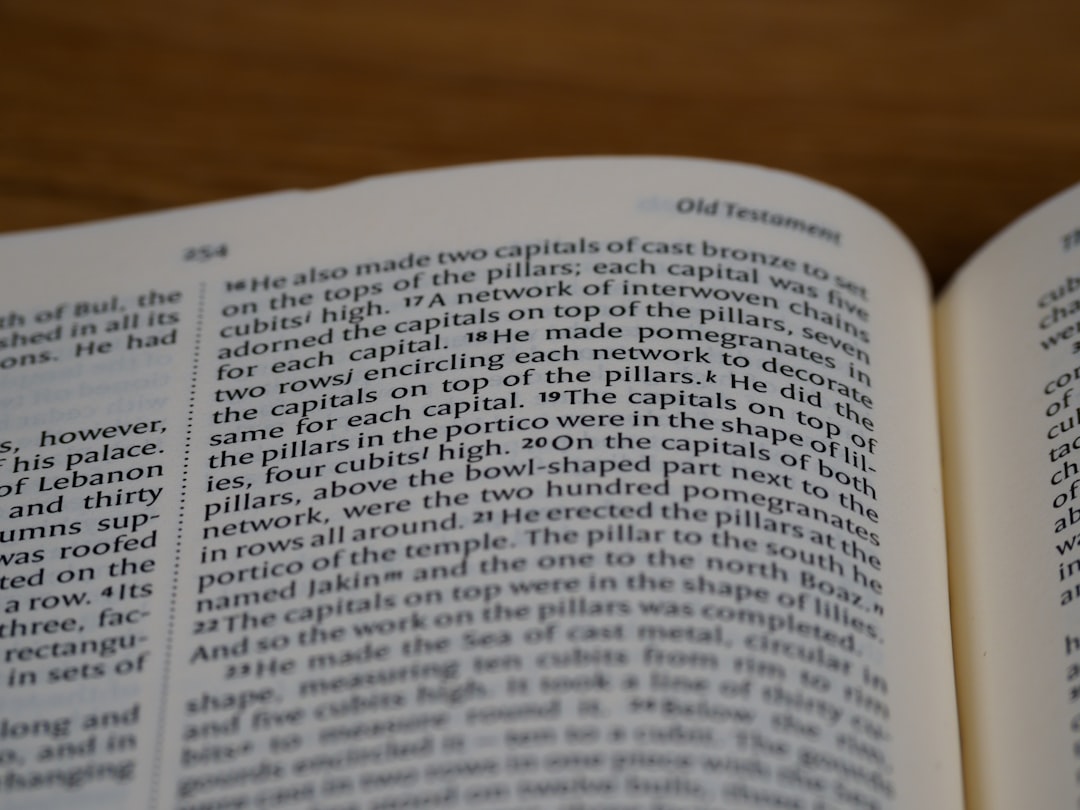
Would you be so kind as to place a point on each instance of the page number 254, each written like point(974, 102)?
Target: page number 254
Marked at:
point(206, 253)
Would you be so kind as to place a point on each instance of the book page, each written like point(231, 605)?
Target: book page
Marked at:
point(580, 483)
point(1010, 359)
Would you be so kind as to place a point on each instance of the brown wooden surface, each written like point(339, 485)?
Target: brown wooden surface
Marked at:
point(951, 117)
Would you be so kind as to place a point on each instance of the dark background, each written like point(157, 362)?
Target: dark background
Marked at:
point(952, 118)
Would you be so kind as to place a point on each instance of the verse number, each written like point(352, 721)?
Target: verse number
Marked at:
point(206, 253)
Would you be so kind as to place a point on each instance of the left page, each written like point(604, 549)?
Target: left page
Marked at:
point(585, 483)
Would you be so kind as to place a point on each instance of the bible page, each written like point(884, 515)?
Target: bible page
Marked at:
point(1009, 331)
point(579, 483)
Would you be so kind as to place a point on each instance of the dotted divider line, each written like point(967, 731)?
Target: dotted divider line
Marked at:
point(159, 746)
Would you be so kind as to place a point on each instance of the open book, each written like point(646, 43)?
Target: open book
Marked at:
point(593, 483)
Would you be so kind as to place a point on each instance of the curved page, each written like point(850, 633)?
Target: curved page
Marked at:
point(583, 483)
point(1008, 331)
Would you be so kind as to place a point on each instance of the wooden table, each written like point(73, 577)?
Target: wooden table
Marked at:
point(952, 118)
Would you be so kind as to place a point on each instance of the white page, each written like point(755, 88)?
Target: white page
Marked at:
point(1007, 355)
point(421, 461)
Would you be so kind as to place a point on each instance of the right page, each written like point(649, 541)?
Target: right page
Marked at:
point(1009, 360)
